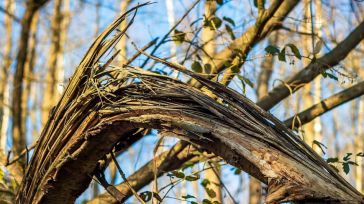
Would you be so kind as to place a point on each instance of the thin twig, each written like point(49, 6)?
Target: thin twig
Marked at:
point(25, 151)
point(222, 183)
point(170, 31)
point(143, 48)
point(124, 177)
point(27, 156)
point(112, 190)
point(6, 12)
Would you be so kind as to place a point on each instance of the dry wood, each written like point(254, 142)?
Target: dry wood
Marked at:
point(97, 111)
point(305, 117)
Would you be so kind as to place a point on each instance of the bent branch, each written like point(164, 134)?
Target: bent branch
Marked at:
point(142, 178)
point(98, 111)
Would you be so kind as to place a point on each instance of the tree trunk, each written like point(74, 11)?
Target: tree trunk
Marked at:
point(359, 146)
point(54, 75)
point(121, 58)
point(29, 71)
point(208, 38)
point(255, 187)
point(307, 95)
point(4, 74)
point(19, 140)
point(82, 129)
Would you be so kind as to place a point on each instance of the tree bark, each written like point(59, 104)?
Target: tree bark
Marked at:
point(279, 9)
point(208, 37)
point(359, 146)
point(4, 77)
point(255, 187)
point(92, 117)
point(54, 75)
point(326, 105)
point(306, 116)
point(82, 129)
point(18, 133)
point(29, 71)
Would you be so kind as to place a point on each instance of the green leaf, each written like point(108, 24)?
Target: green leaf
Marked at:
point(205, 182)
point(230, 31)
point(157, 196)
point(360, 154)
point(332, 160)
point(216, 22)
point(229, 20)
point(317, 47)
point(256, 3)
point(271, 49)
point(347, 156)
point(206, 201)
point(210, 192)
point(178, 37)
point(192, 177)
point(346, 168)
point(220, 2)
point(207, 68)
point(238, 52)
point(188, 196)
point(320, 145)
point(332, 77)
point(246, 80)
point(146, 196)
point(196, 67)
point(178, 174)
point(282, 55)
point(237, 171)
point(193, 202)
point(243, 86)
point(295, 50)
point(234, 66)
point(187, 165)
point(213, 23)
point(235, 69)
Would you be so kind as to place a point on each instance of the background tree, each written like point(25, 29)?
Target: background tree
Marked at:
point(276, 53)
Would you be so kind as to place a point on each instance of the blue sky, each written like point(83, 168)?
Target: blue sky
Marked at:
point(152, 22)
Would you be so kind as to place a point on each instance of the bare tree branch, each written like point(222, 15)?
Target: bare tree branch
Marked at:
point(165, 162)
point(15, 18)
point(279, 9)
point(326, 105)
point(141, 178)
point(315, 68)
point(171, 30)
point(93, 116)
point(18, 128)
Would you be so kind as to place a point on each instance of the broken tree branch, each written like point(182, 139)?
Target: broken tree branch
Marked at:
point(97, 111)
